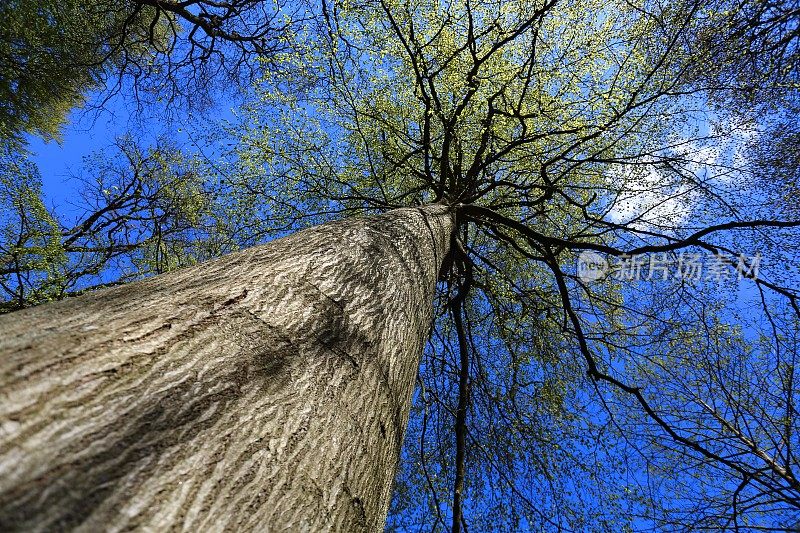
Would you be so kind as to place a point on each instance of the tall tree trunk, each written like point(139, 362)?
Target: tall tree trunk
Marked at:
point(266, 390)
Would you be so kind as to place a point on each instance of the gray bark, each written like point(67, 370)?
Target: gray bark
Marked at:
point(265, 390)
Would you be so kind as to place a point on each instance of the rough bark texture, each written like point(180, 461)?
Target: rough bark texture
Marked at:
point(266, 390)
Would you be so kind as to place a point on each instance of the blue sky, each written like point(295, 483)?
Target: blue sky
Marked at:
point(58, 162)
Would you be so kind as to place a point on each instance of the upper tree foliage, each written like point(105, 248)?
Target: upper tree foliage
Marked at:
point(646, 132)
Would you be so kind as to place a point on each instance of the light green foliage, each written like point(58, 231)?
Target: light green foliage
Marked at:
point(520, 104)
point(31, 256)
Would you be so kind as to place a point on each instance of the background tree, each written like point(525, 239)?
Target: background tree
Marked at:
point(140, 212)
point(53, 53)
point(30, 245)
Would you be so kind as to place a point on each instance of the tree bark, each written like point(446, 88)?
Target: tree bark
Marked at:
point(265, 390)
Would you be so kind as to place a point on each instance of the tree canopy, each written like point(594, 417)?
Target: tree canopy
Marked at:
point(53, 53)
point(657, 140)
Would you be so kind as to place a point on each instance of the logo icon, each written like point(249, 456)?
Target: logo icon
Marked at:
point(591, 266)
